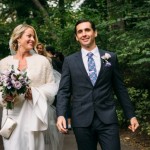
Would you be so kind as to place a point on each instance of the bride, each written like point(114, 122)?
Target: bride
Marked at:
point(33, 111)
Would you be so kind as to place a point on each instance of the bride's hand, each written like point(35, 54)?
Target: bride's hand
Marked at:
point(28, 94)
point(8, 98)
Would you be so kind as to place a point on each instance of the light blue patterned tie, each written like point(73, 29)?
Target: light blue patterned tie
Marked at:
point(92, 68)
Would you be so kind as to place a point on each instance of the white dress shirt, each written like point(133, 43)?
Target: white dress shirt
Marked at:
point(96, 57)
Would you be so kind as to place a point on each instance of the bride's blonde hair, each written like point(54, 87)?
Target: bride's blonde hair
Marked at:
point(17, 33)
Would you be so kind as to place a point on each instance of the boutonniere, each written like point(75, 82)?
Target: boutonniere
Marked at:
point(106, 58)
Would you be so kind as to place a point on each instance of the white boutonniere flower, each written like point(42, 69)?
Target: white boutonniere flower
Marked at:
point(106, 57)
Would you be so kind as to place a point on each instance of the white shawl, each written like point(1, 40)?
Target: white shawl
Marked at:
point(44, 86)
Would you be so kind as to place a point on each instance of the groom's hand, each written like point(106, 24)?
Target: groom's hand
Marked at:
point(133, 124)
point(61, 124)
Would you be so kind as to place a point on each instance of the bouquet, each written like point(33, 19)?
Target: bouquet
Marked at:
point(13, 83)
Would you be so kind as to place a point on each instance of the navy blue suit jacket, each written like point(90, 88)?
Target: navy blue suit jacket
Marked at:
point(86, 98)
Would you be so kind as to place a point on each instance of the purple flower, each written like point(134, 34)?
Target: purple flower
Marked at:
point(3, 78)
point(108, 64)
point(17, 85)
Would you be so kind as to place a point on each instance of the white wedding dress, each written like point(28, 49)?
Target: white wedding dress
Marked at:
point(36, 119)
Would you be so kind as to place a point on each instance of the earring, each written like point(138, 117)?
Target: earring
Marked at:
point(19, 44)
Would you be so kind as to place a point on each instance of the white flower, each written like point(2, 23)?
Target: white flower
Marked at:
point(106, 56)
point(6, 72)
point(13, 77)
point(21, 78)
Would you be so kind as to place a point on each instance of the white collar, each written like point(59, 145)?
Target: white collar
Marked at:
point(95, 51)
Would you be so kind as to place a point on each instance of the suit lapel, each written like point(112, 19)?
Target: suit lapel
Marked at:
point(81, 66)
point(102, 52)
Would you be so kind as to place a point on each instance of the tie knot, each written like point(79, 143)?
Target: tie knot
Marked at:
point(90, 54)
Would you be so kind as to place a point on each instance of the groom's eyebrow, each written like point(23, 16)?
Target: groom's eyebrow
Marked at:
point(86, 29)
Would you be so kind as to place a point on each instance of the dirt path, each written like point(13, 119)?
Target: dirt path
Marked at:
point(135, 141)
point(127, 142)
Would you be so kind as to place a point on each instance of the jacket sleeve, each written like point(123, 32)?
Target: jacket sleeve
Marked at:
point(121, 91)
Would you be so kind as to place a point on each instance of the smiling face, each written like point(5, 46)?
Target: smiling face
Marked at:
point(40, 48)
point(86, 35)
point(27, 40)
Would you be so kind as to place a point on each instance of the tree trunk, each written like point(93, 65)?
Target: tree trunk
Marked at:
point(41, 8)
point(62, 13)
point(112, 14)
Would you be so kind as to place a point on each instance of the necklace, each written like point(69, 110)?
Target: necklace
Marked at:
point(22, 64)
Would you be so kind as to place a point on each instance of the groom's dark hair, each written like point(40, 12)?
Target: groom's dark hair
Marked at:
point(85, 20)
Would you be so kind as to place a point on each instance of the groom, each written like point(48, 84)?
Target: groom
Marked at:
point(91, 76)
